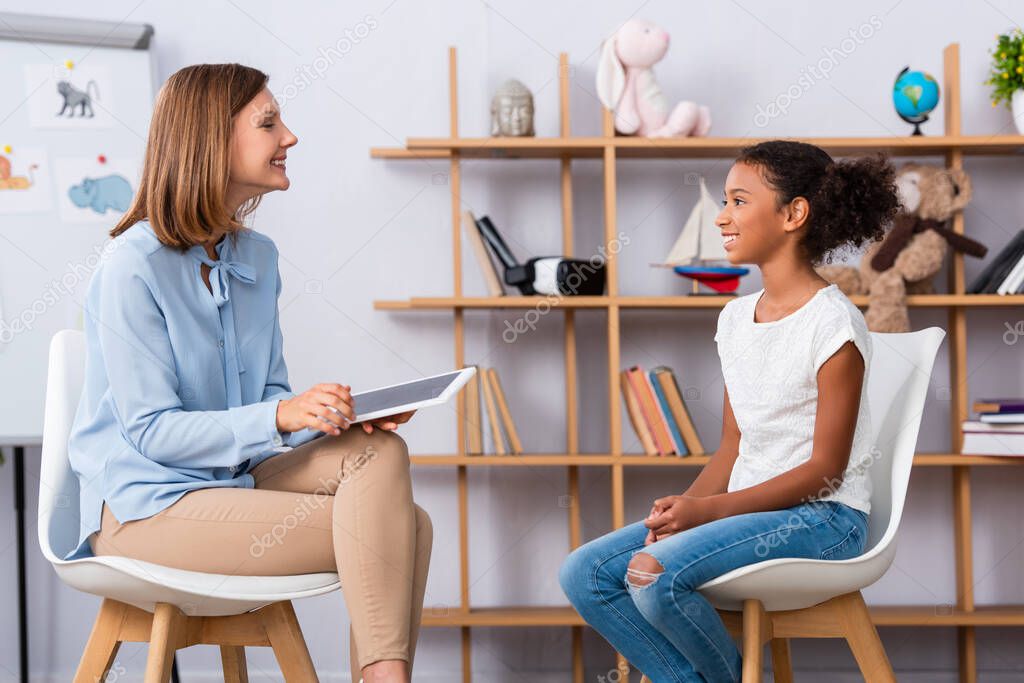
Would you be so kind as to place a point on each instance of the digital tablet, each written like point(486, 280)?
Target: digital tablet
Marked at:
point(400, 398)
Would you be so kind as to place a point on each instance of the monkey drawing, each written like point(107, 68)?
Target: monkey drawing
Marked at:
point(73, 97)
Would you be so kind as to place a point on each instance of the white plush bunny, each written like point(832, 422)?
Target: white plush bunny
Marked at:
point(626, 85)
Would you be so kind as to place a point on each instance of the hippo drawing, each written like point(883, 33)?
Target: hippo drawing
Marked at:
point(100, 194)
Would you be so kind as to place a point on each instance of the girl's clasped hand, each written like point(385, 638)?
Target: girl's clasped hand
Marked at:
point(672, 514)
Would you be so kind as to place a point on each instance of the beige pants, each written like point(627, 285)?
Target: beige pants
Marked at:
point(337, 503)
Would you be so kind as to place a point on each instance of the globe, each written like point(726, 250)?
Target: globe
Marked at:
point(914, 95)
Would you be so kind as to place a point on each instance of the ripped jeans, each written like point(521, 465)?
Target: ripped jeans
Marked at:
point(665, 627)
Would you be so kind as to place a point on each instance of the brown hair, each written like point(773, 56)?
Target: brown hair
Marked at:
point(182, 192)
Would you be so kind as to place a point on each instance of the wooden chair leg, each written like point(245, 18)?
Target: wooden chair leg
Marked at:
point(167, 636)
point(232, 658)
point(289, 646)
point(756, 632)
point(782, 662)
point(861, 634)
point(103, 644)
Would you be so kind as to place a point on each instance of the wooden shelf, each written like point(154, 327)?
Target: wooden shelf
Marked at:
point(502, 616)
point(652, 302)
point(688, 148)
point(640, 460)
point(948, 615)
point(885, 615)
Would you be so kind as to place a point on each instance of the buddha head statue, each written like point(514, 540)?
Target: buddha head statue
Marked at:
point(512, 110)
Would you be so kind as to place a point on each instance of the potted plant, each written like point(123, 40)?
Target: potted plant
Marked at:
point(1007, 74)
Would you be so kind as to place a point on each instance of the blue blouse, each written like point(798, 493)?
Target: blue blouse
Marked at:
point(181, 384)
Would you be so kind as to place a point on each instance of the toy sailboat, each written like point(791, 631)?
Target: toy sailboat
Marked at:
point(701, 241)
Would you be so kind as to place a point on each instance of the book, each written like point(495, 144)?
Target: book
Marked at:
point(981, 283)
point(982, 438)
point(482, 255)
point(1001, 418)
point(1013, 280)
point(640, 392)
point(659, 417)
point(977, 427)
point(658, 413)
point(1011, 445)
point(506, 417)
point(999, 405)
point(1005, 270)
point(648, 407)
point(492, 418)
point(474, 423)
point(1008, 259)
point(666, 413)
point(1015, 286)
point(679, 410)
point(635, 413)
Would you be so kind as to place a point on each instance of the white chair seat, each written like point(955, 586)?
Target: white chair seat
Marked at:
point(793, 583)
point(143, 584)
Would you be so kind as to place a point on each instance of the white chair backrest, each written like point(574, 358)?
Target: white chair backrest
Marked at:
point(901, 367)
point(58, 484)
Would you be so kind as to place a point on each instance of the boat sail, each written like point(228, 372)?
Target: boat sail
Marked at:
point(700, 244)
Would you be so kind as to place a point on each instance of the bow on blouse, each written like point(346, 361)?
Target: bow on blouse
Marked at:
point(219, 272)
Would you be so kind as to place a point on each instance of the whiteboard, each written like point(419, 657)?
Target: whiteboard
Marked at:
point(64, 181)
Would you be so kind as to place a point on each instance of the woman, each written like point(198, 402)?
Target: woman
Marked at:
point(790, 477)
point(181, 435)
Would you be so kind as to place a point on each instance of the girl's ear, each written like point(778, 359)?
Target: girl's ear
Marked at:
point(611, 77)
point(796, 213)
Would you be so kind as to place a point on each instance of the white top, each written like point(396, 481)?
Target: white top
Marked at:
point(770, 369)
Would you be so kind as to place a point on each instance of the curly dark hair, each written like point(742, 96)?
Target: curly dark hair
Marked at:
point(851, 201)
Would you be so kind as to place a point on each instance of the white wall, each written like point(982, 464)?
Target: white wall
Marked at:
point(352, 230)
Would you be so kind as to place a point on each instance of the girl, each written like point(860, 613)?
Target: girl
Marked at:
point(790, 476)
point(186, 408)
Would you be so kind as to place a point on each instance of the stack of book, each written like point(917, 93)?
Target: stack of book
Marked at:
point(1005, 273)
point(999, 429)
point(658, 412)
point(486, 382)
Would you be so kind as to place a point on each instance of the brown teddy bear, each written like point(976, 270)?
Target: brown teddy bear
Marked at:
point(913, 250)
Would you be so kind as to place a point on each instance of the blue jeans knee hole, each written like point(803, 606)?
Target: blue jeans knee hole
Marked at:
point(637, 580)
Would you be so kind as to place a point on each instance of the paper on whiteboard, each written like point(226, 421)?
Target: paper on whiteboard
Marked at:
point(92, 192)
point(82, 97)
point(25, 181)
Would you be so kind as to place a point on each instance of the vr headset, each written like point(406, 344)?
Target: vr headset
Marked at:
point(548, 275)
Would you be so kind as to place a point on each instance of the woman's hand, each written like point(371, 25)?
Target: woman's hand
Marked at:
point(389, 423)
point(673, 514)
point(327, 407)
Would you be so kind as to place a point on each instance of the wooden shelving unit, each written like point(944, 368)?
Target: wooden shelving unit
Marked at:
point(951, 147)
